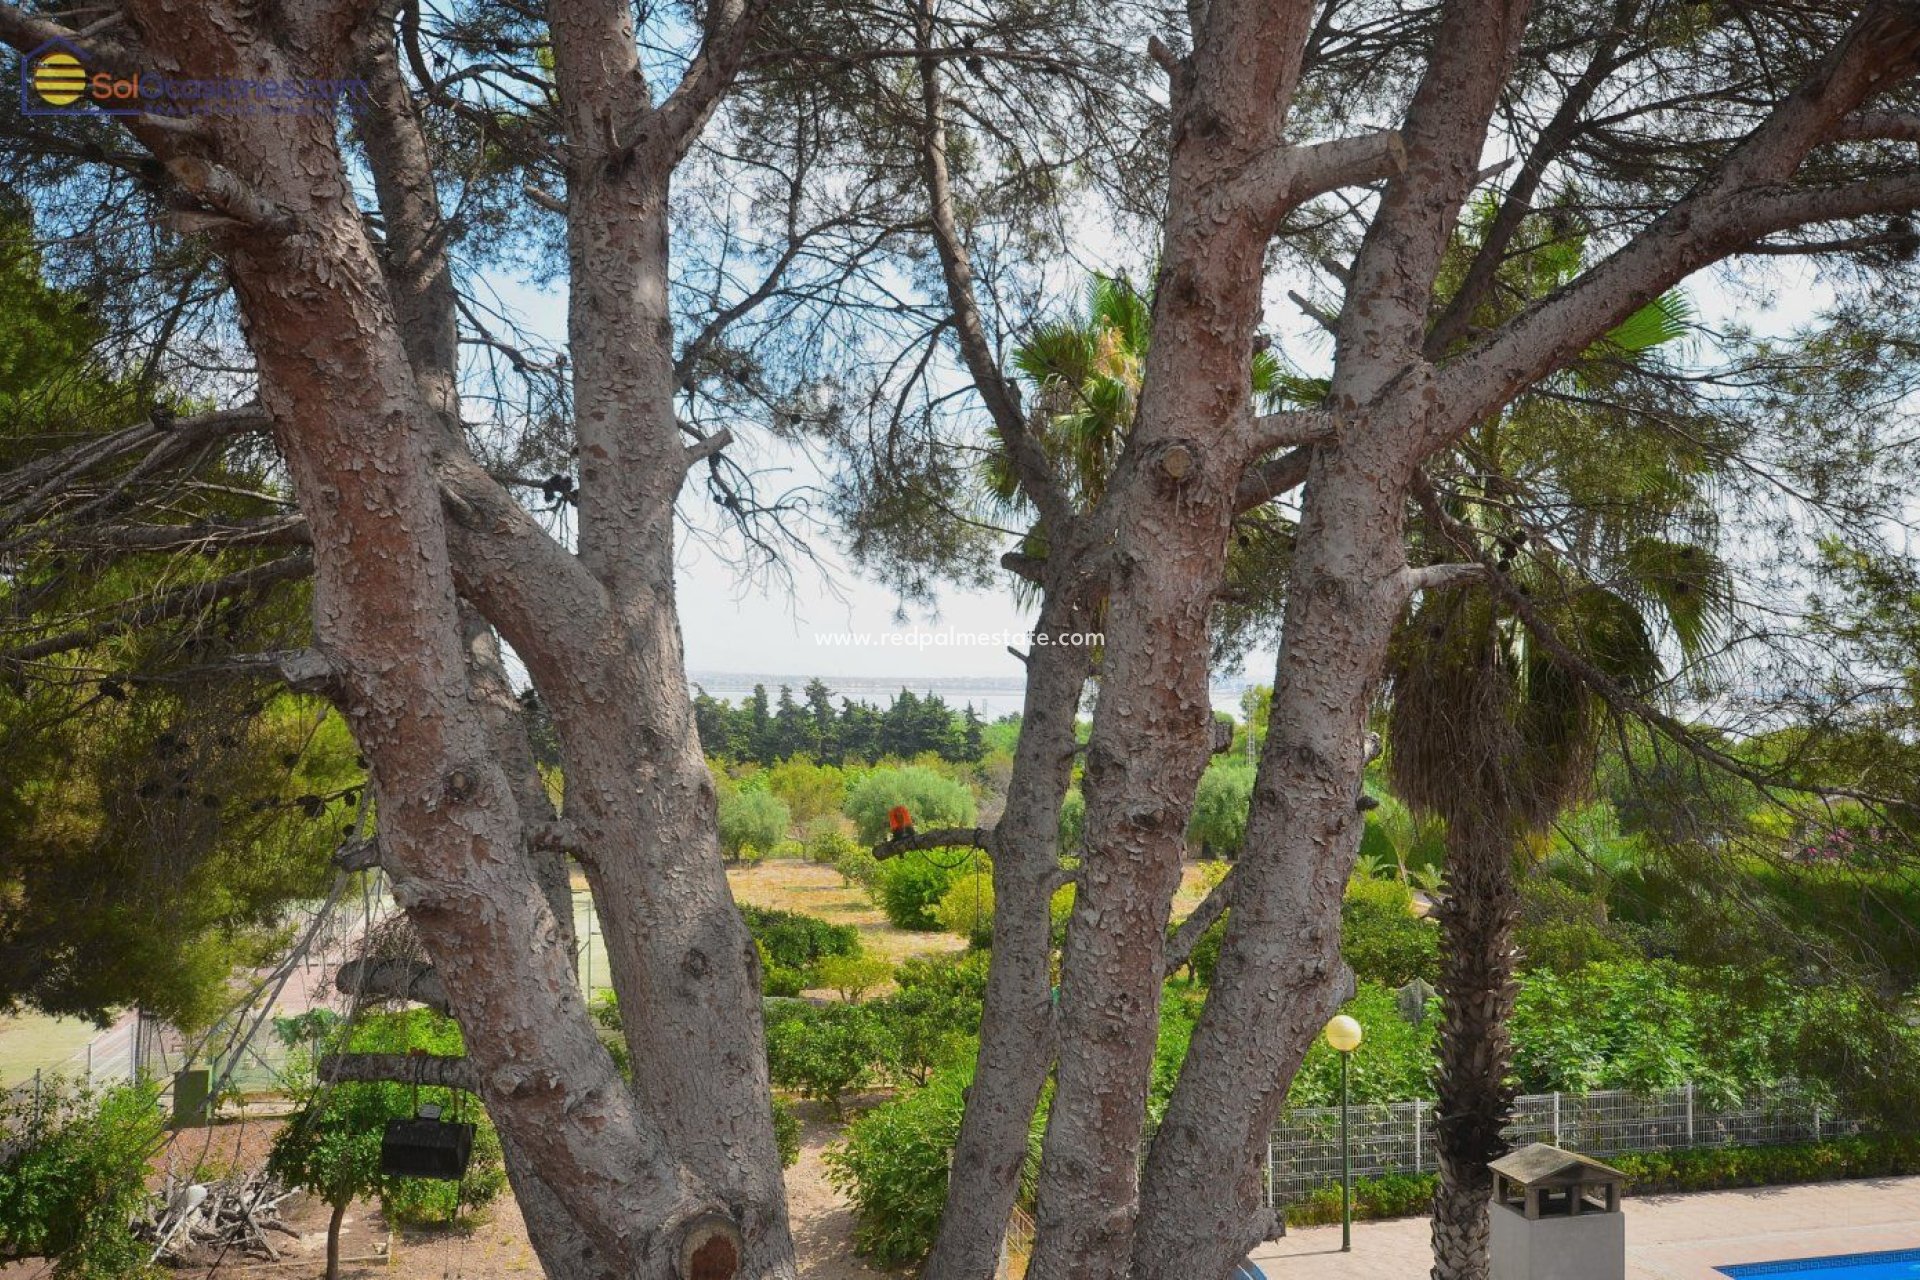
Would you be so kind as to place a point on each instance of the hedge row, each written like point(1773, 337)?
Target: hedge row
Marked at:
point(1651, 1173)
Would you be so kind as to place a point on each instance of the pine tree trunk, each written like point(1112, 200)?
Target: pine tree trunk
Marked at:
point(1016, 1027)
point(1171, 505)
point(1280, 975)
point(1477, 987)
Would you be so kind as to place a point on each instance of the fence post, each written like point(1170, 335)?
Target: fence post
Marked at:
point(89, 1066)
point(1419, 1136)
point(1816, 1122)
point(1269, 1190)
point(1556, 1117)
point(1690, 1138)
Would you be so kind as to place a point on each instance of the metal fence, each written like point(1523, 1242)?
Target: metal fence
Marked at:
point(1303, 1151)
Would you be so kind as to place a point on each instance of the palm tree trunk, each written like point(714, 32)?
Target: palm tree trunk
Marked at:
point(1477, 988)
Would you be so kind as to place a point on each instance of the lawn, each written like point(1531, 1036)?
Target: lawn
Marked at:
point(31, 1043)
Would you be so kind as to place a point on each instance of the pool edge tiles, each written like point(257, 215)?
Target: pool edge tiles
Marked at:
point(1836, 1264)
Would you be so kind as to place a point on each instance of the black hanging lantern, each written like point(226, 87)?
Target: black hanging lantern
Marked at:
point(426, 1147)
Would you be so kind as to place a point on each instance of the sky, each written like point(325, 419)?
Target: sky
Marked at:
point(778, 627)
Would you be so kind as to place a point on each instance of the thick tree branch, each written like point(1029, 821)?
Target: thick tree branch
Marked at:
point(1291, 428)
point(359, 855)
point(730, 27)
point(201, 536)
point(1180, 946)
point(1879, 126)
point(1559, 132)
point(1265, 481)
point(413, 981)
point(399, 1068)
point(707, 446)
point(1745, 200)
point(1444, 133)
point(1439, 577)
point(27, 32)
point(939, 838)
point(1294, 175)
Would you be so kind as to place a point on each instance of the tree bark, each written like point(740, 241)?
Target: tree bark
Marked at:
point(1478, 916)
point(1170, 506)
point(1280, 975)
point(356, 432)
point(334, 1222)
point(638, 791)
point(1016, 1026)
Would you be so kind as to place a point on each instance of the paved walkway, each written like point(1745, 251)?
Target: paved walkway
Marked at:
point(1668, 1237)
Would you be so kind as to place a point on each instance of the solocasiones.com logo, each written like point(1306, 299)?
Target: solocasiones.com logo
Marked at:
point(61, 79)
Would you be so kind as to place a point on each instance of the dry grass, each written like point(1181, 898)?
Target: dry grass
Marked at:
point(32, 1042)
point(792, 885)
point(1195, 881)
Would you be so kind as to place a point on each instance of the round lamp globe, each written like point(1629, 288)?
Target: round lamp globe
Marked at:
point(1344, 1034)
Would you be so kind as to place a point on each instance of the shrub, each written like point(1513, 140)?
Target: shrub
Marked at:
point(1205, 955)
point(1059, 911)
point(331, 1146)
point(778, 979)
point(1631, 1025)
point(1073, 822)
point(826, 1052)
point(752, 823)
point(419, 1201)
point(909, 888)
point(786, 1132)
point(796, 940)
point(950, 976)
point(827, 841)
point(1393, 1062)
point(1382, 939)
point(74, 1176)
point(857, 865)
point(1392, 1195)
point(809, 790)
point(1567, 946)
point(927, 1028)
point(604, 1009)
point(1713, 1168)
point(1218, 826)
point(934, 799)
point(966, 908)
point(893, 1166)
point(1559, 929)
point(853, 976)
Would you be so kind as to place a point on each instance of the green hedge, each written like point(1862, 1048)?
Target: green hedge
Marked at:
point(909, 888)
point(1651, 1173)
point(797, 941)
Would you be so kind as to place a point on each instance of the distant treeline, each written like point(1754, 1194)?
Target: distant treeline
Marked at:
point(767, 730)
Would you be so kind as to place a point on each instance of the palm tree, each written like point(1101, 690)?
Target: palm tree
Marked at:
point(1488, 733)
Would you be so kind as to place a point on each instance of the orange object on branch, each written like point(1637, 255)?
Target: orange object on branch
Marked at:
point(900, 821)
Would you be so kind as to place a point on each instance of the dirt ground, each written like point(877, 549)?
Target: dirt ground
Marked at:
point(496, 1248)
point(492, 1244)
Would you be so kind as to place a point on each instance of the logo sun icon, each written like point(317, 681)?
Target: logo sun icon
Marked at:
point(59, 79)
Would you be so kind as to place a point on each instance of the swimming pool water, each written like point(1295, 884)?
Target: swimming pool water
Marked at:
point(1901, 1264)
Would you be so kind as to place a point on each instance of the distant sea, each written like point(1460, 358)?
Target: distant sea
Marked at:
point(991, 696)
